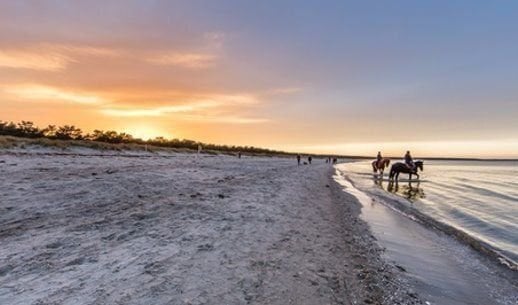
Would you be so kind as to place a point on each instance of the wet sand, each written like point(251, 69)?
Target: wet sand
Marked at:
point(176, 229)
point(440, 268)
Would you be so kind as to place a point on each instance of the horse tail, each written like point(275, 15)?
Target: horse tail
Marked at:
point(374, 169)
point(392, 172)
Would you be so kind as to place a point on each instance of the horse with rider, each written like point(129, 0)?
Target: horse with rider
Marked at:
point(409, 167)
point(380, 164)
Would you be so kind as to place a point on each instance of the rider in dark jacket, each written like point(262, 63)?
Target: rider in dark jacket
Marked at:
point(379, 157)
point(409, 161)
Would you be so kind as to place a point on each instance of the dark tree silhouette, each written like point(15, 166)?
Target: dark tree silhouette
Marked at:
point(69, 132)
point(27, 129)
point(50, 131)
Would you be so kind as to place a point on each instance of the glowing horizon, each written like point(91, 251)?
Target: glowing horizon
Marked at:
point(346, 78)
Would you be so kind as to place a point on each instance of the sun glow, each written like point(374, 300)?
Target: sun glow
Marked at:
point(145, 131)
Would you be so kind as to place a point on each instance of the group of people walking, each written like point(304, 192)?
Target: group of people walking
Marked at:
point(310, 159)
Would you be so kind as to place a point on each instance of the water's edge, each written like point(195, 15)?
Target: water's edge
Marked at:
point(436, 224)
point(443, 270)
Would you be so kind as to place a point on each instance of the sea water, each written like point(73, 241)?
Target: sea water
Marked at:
point(479, 198)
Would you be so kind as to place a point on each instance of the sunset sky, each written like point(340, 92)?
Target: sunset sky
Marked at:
point(349, 77)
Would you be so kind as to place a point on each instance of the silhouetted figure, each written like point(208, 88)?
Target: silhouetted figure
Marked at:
point(335, 160)
point(409, 161)
point(199, 151)
point(400, 167)
point(239, 154)
point(310, 159)
point(298, 159)
point(379, 157)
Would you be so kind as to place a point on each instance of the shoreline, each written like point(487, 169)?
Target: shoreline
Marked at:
point(187, 230)
point(433, 237)
point(476, 244)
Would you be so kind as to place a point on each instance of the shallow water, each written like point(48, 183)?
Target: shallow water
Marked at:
point(479, 198)
point(441, 270)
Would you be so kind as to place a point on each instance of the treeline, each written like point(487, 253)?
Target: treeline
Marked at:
point(27, 129)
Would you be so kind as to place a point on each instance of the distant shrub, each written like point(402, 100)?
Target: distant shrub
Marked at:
point(27, 129)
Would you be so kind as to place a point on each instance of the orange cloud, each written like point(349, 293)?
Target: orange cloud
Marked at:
point(190, 104)
point(47, 93)
point(158, 111)
point(185, 60)
point(225, 119)
point(34, 60)
point(48, 57)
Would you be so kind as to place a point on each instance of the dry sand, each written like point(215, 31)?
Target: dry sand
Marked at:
point(176, 229)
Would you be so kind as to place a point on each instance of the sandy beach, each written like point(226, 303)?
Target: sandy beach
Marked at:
point(80, 228)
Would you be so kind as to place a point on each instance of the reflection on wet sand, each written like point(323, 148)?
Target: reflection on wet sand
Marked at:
point(411, 190)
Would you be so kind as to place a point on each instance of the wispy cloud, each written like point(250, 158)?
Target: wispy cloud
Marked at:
point(183, 103)
point(156, 111)
point(48, 57)
point(205, 56)
point(50, 61)
point(286, 90)
point(85, 50)
point(50, 94)
point(225, 119)
point(185, 60)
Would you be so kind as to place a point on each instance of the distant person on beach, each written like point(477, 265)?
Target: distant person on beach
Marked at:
point(199, 151)
point(310, 159)
point(298, 159)
point(409, 161)
point(239, 154)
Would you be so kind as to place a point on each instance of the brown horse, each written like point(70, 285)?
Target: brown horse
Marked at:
point(400, 167)
point(380, 165)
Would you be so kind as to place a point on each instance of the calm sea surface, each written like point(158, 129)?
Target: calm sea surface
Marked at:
point(477, 197)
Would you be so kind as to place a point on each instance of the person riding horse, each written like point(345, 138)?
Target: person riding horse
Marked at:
point(409, 166)
point(380, 164)
point(409, 161)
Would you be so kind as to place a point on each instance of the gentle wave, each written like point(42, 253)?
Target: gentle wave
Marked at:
point(477, 198)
